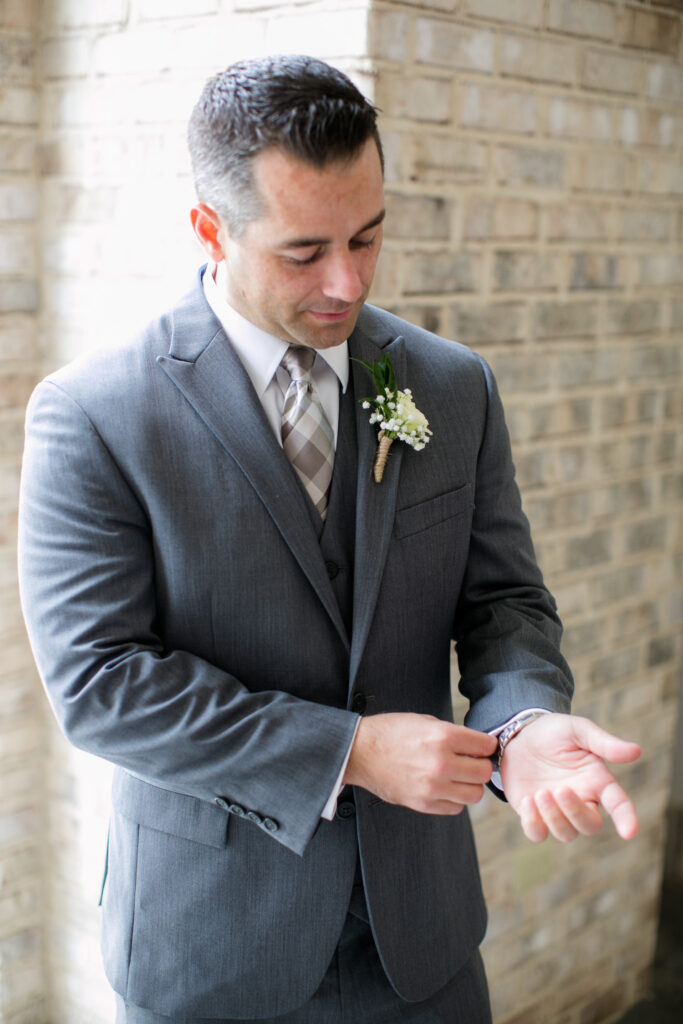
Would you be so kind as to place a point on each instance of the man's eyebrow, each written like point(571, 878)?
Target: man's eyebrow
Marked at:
point(304, 243)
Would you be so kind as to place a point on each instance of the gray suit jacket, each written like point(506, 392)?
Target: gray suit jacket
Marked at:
point(167, 558)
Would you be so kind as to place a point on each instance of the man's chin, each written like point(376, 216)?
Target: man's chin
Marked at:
point(327, 333)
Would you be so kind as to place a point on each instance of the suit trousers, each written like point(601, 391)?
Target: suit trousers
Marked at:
point(355, 989)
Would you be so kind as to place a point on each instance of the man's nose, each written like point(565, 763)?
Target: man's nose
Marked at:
point(342, 279)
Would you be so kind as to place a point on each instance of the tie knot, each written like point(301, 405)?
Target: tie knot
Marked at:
point(298, 361)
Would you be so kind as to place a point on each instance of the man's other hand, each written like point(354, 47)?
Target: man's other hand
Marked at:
point(421, 762)
point(555, 777)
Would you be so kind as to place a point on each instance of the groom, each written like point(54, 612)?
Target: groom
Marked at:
point(225, 603)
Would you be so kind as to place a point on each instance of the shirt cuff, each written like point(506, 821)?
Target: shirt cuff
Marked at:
point(495, 777)
point(330, 808)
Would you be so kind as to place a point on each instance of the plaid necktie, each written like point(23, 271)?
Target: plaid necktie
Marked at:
point(307, 436)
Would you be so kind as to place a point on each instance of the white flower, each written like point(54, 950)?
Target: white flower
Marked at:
point(412, 420)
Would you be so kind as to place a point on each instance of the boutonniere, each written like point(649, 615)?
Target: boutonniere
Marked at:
point(395, 412)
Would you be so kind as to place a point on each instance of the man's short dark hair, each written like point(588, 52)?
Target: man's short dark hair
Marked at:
point(298, 104)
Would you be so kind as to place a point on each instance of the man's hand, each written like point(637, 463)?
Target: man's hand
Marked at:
point(420, 762)
point(554, 776)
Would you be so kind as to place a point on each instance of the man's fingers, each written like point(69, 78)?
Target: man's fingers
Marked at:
point(604, 744)
point(584, 815)
point(533, 825)
point(471, 742)
point(554, 817)
point(471, 769)
point(562, 814)
point(620, 809)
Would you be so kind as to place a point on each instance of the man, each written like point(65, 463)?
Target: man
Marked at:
point(261, 645)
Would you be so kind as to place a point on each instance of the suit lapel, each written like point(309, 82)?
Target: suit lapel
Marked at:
point(206, 369)
point(376, 503)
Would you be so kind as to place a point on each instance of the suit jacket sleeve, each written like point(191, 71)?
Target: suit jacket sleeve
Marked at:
point(507, 630)
point(86, 557)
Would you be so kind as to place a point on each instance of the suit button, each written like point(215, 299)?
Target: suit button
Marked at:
point(236, 809)
point(346, 810)
point(332, 569)
point(256, 818)
point(271, 825)
point(359, 703)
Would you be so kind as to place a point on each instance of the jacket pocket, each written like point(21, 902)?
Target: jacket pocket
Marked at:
point(435, 510)
point(167, 811)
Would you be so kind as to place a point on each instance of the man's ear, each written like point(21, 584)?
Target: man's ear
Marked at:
point(208, 228)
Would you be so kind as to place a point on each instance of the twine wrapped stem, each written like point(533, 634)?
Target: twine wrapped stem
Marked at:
point(384, 444)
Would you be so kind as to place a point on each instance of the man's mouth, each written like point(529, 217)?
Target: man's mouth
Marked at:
point(331, 318)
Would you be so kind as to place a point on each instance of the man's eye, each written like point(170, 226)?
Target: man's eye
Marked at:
point(358, 243)
point(304, 262)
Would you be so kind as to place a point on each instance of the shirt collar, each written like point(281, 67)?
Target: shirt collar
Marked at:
point(259, 351)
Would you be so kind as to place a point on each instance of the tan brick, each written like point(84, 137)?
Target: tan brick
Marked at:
point(422, 98)
point(66, 57)
point(17, 338)
point(647, 30)
point(611, 72)
point(73, 14)
point(582, 368)
point(605, 172)
point(521, 372)
point(647, 128)
point(594, 270)
point(660, 177)
point(17, 57)
point(443, 159)
point(559, 418)
point(18, 152)
point(655, 360)
point(574, 119)
point(446, 44)
point(519, 12)
point(665, 82)
point(524, 270)
point(17, 249)
point(388, 35)
point(648, 535)
point(661, 270)
point(572, 222)
point(416, 217)
point(645, 224)
point(499, 109)
point(437, 272)
point(573, 462)
point(18, 105)
point(18, 201)
point(446, 6)
point(582, 18)
point(15, 389)
point(529, 166)
point(627, 316)
point(18, 14)
point(480, 325)
point(501, 219)
point(536, 60)
point(565, 320)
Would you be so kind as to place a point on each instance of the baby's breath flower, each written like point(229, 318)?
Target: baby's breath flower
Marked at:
point(395, 412)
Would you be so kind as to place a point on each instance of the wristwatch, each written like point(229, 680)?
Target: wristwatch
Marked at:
point(510, 731)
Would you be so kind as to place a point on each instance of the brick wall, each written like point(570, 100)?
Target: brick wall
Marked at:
point(21, 969)
point(535, 212)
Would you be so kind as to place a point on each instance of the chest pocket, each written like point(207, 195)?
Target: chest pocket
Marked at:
point(432, 512)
